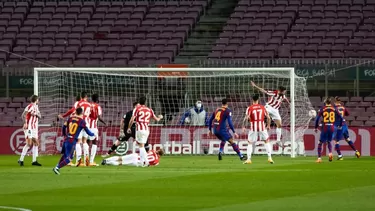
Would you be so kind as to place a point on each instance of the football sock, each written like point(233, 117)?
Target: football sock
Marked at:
point(268, 149)
point(236, 149)
point(113, 148)
point(63, 162)
point(329, 147)
point(249, 151)
point(337, 147)
point(278, 134)
point(320, 150)
point(143, 155)
point(78, 152)
point(94, 147)
point(351, 144)
point(35, 152)
point(24, 152)
point(85, 150)
point(222, 144)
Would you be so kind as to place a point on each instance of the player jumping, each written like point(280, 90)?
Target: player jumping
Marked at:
point(153, 158)
point(142, 116)
point(255, 115)
point(276, 97)
point(219, 118)
point(30, 117)
point(95, 115)
point(343, 133)
point(329, 113)
point(71, 131)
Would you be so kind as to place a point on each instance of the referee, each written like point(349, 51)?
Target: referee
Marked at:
point(123, 135)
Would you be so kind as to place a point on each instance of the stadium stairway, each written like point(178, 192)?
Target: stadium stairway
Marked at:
point(203, 37)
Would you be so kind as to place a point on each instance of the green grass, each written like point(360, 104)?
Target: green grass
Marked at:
point(192, 183)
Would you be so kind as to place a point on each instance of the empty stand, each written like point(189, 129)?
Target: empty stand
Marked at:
point(95, 33)
point(298, 29)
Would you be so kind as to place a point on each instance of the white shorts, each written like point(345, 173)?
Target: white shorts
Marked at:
point(95, 131)
point(31, 133)
point(274, 113)
point(131, 160)
point(141, 136)
point(253, 136)
point(83, 134)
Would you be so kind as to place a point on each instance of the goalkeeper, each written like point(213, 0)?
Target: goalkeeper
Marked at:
point(124, 136)
point(195, 116)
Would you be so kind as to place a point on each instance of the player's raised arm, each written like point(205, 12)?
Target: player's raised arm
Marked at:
point(62, 116)
point(259, 88)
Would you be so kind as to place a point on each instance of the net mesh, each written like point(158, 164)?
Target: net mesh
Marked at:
point(172, 94)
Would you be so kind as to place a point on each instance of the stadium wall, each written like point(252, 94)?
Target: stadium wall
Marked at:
point(183, 140)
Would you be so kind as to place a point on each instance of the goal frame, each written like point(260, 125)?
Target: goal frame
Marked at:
point(290, 70)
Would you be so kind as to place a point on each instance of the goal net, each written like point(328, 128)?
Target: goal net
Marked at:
point(172, 92)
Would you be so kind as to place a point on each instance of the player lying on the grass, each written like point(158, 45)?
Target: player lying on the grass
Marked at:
point(219, 118)
point(343, 133)
point(255, 115)
point(124, 136)
point(329, 113)
point(276, 97)
point(95, 115)
point(134, 159)
point(142, 116)
point(30, 117)
point(71, 130)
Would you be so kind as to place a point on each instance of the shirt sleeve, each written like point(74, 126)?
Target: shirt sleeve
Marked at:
point(271, 93)
point(210, 121)
point(318, 118)
point(230, 122)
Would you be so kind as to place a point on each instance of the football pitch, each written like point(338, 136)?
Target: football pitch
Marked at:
point(192, 183)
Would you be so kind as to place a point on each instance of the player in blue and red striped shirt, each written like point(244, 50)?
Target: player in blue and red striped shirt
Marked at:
point(71, 131)
point(219, 118)
point(329, 113)
point(344, 132)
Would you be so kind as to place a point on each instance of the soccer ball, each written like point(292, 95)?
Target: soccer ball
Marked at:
point(187, 120)
point(312, 113)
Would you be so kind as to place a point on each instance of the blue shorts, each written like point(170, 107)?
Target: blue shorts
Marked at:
point(223, 135)
point(68, 149)
point(326, 135)
point(341, 134)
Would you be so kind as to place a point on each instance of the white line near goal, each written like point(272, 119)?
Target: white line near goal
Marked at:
point(14, 208)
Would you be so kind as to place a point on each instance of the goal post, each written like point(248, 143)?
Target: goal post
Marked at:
point(172, 92)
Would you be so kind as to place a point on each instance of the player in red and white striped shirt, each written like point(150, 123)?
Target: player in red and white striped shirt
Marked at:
point(31, 116)
point(255, 115)
point(142, 116)
point(275, 99)
point(95, 115)
point(134, 159)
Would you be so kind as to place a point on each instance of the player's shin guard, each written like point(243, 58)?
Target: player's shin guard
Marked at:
point(94, 147)
point(320, 149)
point(143, 155)
point(24, 152)
point(329, 144)
point(236, 149)
point(222, 144)
point(351, 144)
point(278, 134)
point(337, 148)
point(85, 150)
point(249, 151)
point(268, 149)
point(78, 152)
point(35, 152)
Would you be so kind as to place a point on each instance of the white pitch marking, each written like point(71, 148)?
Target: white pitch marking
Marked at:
point(14, 208)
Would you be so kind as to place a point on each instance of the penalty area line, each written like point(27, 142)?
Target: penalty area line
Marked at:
point(14, 208)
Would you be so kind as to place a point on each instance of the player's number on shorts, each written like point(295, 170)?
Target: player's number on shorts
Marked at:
point(218, 116)
point(257, 114)
point(329, 117)
point(145, 116)
point(73, 128)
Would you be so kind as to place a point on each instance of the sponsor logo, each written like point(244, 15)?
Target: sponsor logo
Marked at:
point(17, 141)
point(369, 72)
point(122, 149)
point(26, 81)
